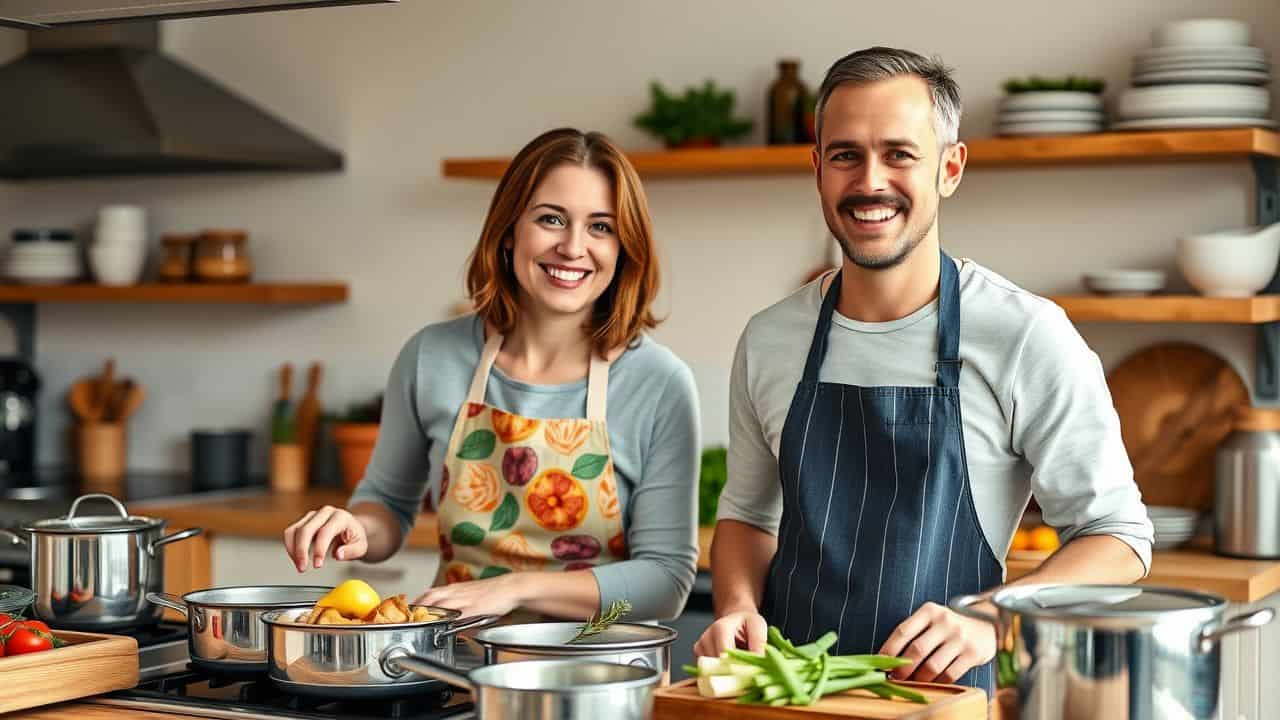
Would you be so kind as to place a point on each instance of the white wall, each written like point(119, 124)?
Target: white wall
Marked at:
point(397, 88)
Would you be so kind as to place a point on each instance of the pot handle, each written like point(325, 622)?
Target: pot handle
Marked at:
point(468, 624)
point(15, 538)
point(99, 496)
point(1209, 636)
point(963, 604)
point(173, 602)
point(402, 661)
point(175, 537)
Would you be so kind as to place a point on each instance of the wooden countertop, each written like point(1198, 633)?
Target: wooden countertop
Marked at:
point(266, 515)
point(87, 711)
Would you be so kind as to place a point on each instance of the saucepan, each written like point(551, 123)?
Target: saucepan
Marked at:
point(353, 662)
point(225, 630)
point(621, 643)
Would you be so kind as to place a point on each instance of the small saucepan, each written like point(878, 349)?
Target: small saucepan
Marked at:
point(225, 630)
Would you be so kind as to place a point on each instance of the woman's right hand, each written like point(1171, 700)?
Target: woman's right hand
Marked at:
point(322, 532)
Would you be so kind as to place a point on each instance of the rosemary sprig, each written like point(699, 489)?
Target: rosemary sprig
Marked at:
point(617, 610)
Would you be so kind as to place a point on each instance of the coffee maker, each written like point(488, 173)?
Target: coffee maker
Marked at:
point(19, 385)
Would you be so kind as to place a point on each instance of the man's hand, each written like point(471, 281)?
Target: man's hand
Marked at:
point(745, 629)
point(941, 644)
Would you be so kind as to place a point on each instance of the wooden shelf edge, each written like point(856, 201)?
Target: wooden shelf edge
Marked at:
point(1091, 148)
point(194, 293)
point(1171, 309)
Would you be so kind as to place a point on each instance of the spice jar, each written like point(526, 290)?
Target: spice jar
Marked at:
point(175, 257)
point(223, 256)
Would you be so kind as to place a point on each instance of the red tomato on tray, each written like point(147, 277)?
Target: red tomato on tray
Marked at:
point(27, 641)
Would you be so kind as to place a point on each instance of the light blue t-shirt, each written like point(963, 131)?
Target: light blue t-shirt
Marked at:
point(653, 434)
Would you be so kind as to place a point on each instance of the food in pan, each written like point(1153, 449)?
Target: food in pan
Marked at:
point(354, 602)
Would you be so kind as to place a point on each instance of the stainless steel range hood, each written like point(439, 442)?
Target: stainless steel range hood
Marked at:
point(103, 100)
point(56, 13)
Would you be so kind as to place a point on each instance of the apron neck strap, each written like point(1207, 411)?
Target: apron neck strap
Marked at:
point(818, 348)
point(597, 379)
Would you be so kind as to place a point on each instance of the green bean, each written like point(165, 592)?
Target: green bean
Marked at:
point(786, 674)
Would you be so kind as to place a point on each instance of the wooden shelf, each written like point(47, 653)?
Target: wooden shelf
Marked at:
point(1171, 309)
point(207, 293)
point(1107, 147)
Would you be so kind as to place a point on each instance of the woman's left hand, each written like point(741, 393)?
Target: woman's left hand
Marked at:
point(492, 596)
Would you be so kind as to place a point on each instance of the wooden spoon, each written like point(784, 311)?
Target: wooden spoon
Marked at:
point(102, 394)
point(304, 424)
point(131, 398)
point(80, 398)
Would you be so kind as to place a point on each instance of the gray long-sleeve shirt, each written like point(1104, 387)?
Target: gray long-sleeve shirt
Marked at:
point(653, 434)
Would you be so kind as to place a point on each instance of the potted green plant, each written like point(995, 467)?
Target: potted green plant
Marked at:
point(1070, 83)
point(355, 433)
point(711, 480)
point(701, 117)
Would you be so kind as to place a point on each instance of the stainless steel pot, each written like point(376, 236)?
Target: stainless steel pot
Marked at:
point(92, 572)
point(1077, 652)
point(622, 643)
point(1246, 504)
point(549, 689)
point(351, 661)
point(225, 632)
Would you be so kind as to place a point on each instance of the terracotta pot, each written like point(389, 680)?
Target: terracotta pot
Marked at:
point(698, 142)
point(355, 443)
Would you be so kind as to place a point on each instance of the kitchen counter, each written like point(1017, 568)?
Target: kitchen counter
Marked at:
point(87, 711)
point(265, 515)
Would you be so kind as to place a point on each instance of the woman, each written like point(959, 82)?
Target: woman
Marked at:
point(558, 443)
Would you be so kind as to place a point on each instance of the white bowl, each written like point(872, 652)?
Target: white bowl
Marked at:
point(112, 266)
point(1124, 282)
point(1201, 31)
point(1234, 263)
point(1051, 100)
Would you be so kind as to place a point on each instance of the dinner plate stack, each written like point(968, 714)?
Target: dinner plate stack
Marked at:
point(1174, 525)
point(43, 257)
point(1050, 112)
point(1200, 73)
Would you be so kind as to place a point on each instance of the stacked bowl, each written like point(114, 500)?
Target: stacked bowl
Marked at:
point(1199, 73)
point(119, 249)
point(1050, 112)
point(43, 257)
point(1174, 525)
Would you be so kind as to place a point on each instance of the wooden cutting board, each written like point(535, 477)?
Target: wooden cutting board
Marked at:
point(1175, 403)
point(946, 702)
point(88, 665)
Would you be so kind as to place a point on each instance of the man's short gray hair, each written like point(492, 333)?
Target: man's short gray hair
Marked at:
point(882, 63)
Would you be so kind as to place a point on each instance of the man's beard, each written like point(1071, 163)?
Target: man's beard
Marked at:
point(911, 236)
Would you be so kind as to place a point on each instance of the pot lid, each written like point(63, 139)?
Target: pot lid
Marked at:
point(555, 637)
point(1110, 603)
point(74, 522)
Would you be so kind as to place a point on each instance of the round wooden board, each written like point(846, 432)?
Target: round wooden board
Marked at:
point(1175, 403)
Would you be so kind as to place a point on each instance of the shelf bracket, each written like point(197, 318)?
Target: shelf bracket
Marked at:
point(23, 318)
point(1267, 175)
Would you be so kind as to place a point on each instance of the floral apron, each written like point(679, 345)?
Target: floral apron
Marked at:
point(520, 493)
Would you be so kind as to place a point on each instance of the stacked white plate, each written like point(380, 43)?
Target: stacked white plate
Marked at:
point(1200, 73)
point(1174, 525)
point(1124, 283)
point(1050, 113)
point(42, 261)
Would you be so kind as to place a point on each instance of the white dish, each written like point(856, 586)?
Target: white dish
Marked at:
point(1160, 101)
point(1201, 31)
point(1199, 64)
point(1088, 116)
point(1191, 123)
point(1231, 263)
point(1047, 128)
point(1238, 77)
point(1124, 282)
point(1203, 51)
point(1051, 100)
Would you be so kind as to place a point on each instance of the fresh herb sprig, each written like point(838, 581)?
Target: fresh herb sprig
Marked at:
point(618, 609)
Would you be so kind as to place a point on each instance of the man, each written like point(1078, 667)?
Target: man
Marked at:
point(860, 498)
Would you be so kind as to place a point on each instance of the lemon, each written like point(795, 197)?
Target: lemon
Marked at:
point(1044, 538)
point(353, 598)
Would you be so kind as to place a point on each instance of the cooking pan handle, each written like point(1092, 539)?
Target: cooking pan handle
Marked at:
point(173, 602)
point(402, 661)
point(180, 535)
point(963, 604)
point(468, 624)
point(99, 496)
point(1210, 636)
point(15, 538)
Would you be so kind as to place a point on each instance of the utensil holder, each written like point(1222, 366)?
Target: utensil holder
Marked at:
point(288, 469)
point(102, 453)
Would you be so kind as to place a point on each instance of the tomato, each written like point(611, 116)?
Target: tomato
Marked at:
point(35, 625)
point(27, 641)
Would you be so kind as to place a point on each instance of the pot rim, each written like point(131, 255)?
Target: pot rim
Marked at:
point(272, 618)
point(666, 638)
point(285, 605)
point(144, 524)
point(1212, 607)
point(652, 677)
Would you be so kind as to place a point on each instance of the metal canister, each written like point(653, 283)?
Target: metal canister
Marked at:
point(1246, 504)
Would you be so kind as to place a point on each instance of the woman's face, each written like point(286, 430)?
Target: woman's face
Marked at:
point(564, 247)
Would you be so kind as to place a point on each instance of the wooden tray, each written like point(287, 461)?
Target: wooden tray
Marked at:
point(88, 665)
point(946, 702)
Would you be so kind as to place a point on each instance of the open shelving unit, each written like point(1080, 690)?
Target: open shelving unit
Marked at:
point(1260, 147)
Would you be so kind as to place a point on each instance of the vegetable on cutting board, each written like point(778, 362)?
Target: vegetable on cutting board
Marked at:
point(786, 674)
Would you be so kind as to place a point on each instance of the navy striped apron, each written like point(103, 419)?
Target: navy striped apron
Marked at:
point(878, 517)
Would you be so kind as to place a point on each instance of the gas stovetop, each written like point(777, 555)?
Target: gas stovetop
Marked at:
point(167, 682)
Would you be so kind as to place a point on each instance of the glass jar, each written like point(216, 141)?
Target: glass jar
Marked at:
point(175, 257)
point(223, 256)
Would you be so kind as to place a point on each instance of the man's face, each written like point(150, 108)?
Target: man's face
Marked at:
point(877, 168)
